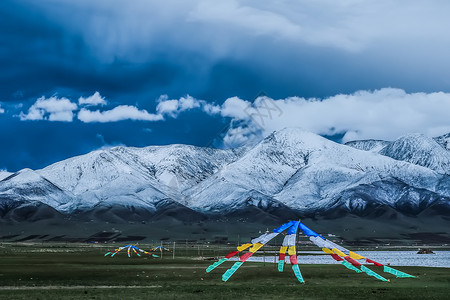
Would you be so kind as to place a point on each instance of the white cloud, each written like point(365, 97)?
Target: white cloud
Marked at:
point(381, 114)
point(211, 109)
point(62, 116)
point(62, 109)
point(166, 108)
point(174, 107)
point(51, 109)
point(119, 113)
point(93, 100)
point(235, 107)
point(2, 110)
point(241, 133)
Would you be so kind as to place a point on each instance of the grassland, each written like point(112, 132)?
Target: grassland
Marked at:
point(64, 271)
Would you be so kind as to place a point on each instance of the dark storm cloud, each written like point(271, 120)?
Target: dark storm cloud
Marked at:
point(133, 52)
point(40, 55)
point(147, 48)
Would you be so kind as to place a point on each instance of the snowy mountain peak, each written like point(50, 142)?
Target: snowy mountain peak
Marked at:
point(420, 150)
point(23, 176)
point(296, 137)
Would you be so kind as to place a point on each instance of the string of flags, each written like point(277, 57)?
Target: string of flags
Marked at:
point(160, 248)
point(130, 249)
point(348, 259)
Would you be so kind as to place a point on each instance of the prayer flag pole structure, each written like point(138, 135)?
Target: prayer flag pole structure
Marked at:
point(129, 249)
point(160, 248)
point(348, 259)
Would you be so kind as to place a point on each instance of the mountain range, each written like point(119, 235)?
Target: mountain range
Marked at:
point(291, 173)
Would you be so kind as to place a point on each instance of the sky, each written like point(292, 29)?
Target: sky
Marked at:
point(79, 75)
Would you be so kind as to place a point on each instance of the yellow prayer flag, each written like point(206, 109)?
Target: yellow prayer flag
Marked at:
point(283, 249)
point(327, 251)
point(291, 250)
point(339, 252)
point(355, 255)
point(243, 247)
point(255, 247)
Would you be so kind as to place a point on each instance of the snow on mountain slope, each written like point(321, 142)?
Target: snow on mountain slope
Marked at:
point(323, 187)
point(265, 169)
point(4, 174)
point(303, 171)
point(444, 141)
point(182, 166)
point(273, 161)
point(420, 150)
point(335, 168)
point(176, 167)
point(27, 185)
point(291, 170)
point(135, 176)
point(124, 190)
point(368, 145)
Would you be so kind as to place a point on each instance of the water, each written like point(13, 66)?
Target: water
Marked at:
point(394, 258)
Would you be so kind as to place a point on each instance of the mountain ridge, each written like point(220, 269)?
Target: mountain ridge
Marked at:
point(290, 173)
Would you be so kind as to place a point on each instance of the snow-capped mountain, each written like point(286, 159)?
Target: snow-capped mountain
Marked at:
point(291, 172)
point(134, 177)
point(176, 166)
point(420, 150)
point(25, 195)
point(444, 141)
point(414, 148)
point(309, 173)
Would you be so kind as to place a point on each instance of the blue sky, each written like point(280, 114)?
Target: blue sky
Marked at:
point(79, 75)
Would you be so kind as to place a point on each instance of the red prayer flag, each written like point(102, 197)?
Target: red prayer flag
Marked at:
point(373, 262)
point(293, 259)
point(336, 257)
point(231, 254)
point(246, 256)
point(352, 261)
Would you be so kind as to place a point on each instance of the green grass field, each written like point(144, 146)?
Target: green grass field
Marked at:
point(82, 272)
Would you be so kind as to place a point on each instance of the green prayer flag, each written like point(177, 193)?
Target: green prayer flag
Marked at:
point(397, 273)
point(351, 267)
point(372, 273)
point(215, 265)
point(231, 271)
point(280, 265)
point(297, 273)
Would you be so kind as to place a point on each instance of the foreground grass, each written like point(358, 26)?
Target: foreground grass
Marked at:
point(86, 274)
